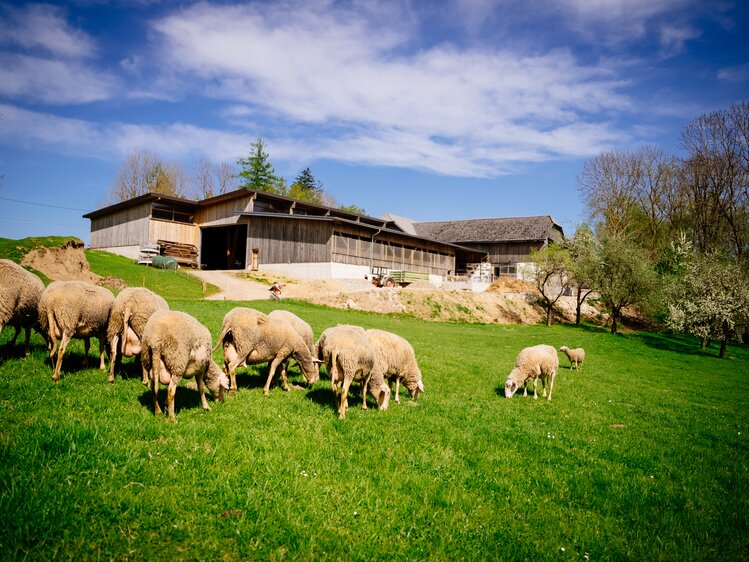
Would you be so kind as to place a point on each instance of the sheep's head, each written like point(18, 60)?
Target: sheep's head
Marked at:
point(216, 381)
point(511, 384)
point(384, 397)
point(414, 385)
point(564, 349)
point(310, 366)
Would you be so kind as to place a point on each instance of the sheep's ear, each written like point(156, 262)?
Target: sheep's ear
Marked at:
point(223, 381)
point(317, 361)
point(420, 386)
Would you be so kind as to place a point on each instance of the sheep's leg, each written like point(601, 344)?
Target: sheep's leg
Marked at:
point(284, 366)
point(535, 387)
point(171, 393)
point(102, 352)
point(272, 371)
point(113, 358)
point(365, 384)
point(26, 348)
point(154, 374)
point(60, 352)
point(232, 367)
point(344, 399)
point(201, 390)
point(551, 385)
point(397, 390)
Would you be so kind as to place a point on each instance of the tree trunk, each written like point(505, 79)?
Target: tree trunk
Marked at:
point(703, 343)
point(614, 314)
point(548, 316)
point(578, 307)
point(723, 347)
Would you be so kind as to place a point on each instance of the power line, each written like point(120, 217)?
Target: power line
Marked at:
point(43, 204)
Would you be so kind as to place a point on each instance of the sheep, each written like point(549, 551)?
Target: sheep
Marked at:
point(399, 361)
point(301, 327)
point(533, 362)
point(576, 356)
point(20, 291)
point(174, 345)
point(130, 311)
point(348, 356)
point(74, 309)
point(250, 337)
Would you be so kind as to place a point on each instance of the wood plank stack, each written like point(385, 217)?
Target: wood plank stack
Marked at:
point(185, 254)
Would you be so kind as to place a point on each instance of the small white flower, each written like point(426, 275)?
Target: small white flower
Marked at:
point(562, 549)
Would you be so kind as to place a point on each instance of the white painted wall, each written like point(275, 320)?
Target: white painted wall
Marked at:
point(131, 252)
point(313, 271)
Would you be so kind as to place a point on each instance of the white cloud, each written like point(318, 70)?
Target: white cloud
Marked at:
point(337, 68)
point(42, 26)
point(45, 60)
point(734, 73)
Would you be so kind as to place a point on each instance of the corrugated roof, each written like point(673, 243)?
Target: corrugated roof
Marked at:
point(492, 230)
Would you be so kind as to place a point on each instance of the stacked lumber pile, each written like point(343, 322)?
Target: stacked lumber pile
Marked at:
point(185, 254)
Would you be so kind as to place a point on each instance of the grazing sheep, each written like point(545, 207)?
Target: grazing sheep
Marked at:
point(174, 345)
point(349, 356)
point(20, 291)
point(533, 362)
point(74, 309)
point(301, 327)
point(576, 356)
point(398, 360)
point(130, 311)
point(250, 337)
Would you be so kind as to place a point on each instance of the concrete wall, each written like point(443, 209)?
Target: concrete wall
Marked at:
point(326, 270)
point(131, 252)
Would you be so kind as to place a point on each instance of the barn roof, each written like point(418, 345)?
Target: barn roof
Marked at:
point(512, 229)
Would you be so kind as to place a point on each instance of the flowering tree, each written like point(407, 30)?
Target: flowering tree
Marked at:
point(711, 301)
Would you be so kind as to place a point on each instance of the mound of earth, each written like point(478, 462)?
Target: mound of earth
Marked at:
point(67, 263)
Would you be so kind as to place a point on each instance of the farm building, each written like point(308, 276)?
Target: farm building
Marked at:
point(507, 242)
point(258, 231)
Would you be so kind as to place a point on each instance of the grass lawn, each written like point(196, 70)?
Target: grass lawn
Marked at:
point(642, 455)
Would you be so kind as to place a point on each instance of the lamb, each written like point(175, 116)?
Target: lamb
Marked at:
point(399, 361)
point(250, 337)
point(533, 362)
point(174, 345)
point(576, 356)
point(130, 311)
point(20, 291)
point(74, 309)
point(348, 356)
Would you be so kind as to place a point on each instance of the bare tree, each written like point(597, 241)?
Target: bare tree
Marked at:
point(226, 177)
point(608, 184)
point(144, 172)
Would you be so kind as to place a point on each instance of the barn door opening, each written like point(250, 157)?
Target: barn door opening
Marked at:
point(224, 247)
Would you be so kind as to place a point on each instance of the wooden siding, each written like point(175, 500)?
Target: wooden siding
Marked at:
point(124, 228)
point(174, 232)
point(289, 241)
point(358, 248)
point(502, 253)
point(224, 213)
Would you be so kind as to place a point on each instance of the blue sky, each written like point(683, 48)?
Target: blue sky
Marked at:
point(431, 110)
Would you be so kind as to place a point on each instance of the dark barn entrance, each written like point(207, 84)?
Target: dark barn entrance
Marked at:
point(223, 247)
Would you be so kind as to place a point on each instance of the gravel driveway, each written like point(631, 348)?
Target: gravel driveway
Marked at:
point(232, 287)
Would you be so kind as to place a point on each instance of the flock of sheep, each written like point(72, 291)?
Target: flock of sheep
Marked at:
point(174, 345)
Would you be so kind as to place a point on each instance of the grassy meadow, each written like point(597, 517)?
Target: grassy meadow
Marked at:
point(644, 454)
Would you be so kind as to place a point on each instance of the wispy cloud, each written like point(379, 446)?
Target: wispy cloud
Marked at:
point(44, 59)
point(341, 68)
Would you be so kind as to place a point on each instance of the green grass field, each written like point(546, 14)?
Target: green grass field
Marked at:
point(642, 455)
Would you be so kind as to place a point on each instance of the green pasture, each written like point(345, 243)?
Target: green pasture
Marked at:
point(642, 455)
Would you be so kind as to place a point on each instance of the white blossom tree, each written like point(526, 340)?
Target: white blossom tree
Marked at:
point(711, 301)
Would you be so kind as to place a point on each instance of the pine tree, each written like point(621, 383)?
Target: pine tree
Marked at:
point(257, 171)
point(306, 188)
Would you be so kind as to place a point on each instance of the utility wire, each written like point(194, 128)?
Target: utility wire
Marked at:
point(43, 204)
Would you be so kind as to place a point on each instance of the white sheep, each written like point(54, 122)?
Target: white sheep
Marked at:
point(301, 327)
point(20, 291)
point(539, 361)
point(130, 311)
point(250, 337)
point(174, 345)
point(576, 356)
point(74, 309)
point(396, 356)
point(349, 356)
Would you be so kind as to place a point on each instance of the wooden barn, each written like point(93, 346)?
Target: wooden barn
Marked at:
point(257, 231)
point(506, 241)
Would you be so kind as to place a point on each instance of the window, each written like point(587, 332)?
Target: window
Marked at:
point(171, 212)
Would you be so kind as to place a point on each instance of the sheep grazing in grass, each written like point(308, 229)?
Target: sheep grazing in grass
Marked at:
point(349, 356)
point(250, 337)
point(130, 311)
point(301, 327)
point(576, 356)
point(74, 309)
point(20, 291)
point(174, 345)
point(397, 358)
point(539, 361)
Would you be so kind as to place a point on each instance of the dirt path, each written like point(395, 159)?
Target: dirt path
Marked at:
point(232, 287)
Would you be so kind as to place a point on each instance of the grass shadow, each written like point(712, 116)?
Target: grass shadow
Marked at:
point(682, 345)
point(185, 398)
